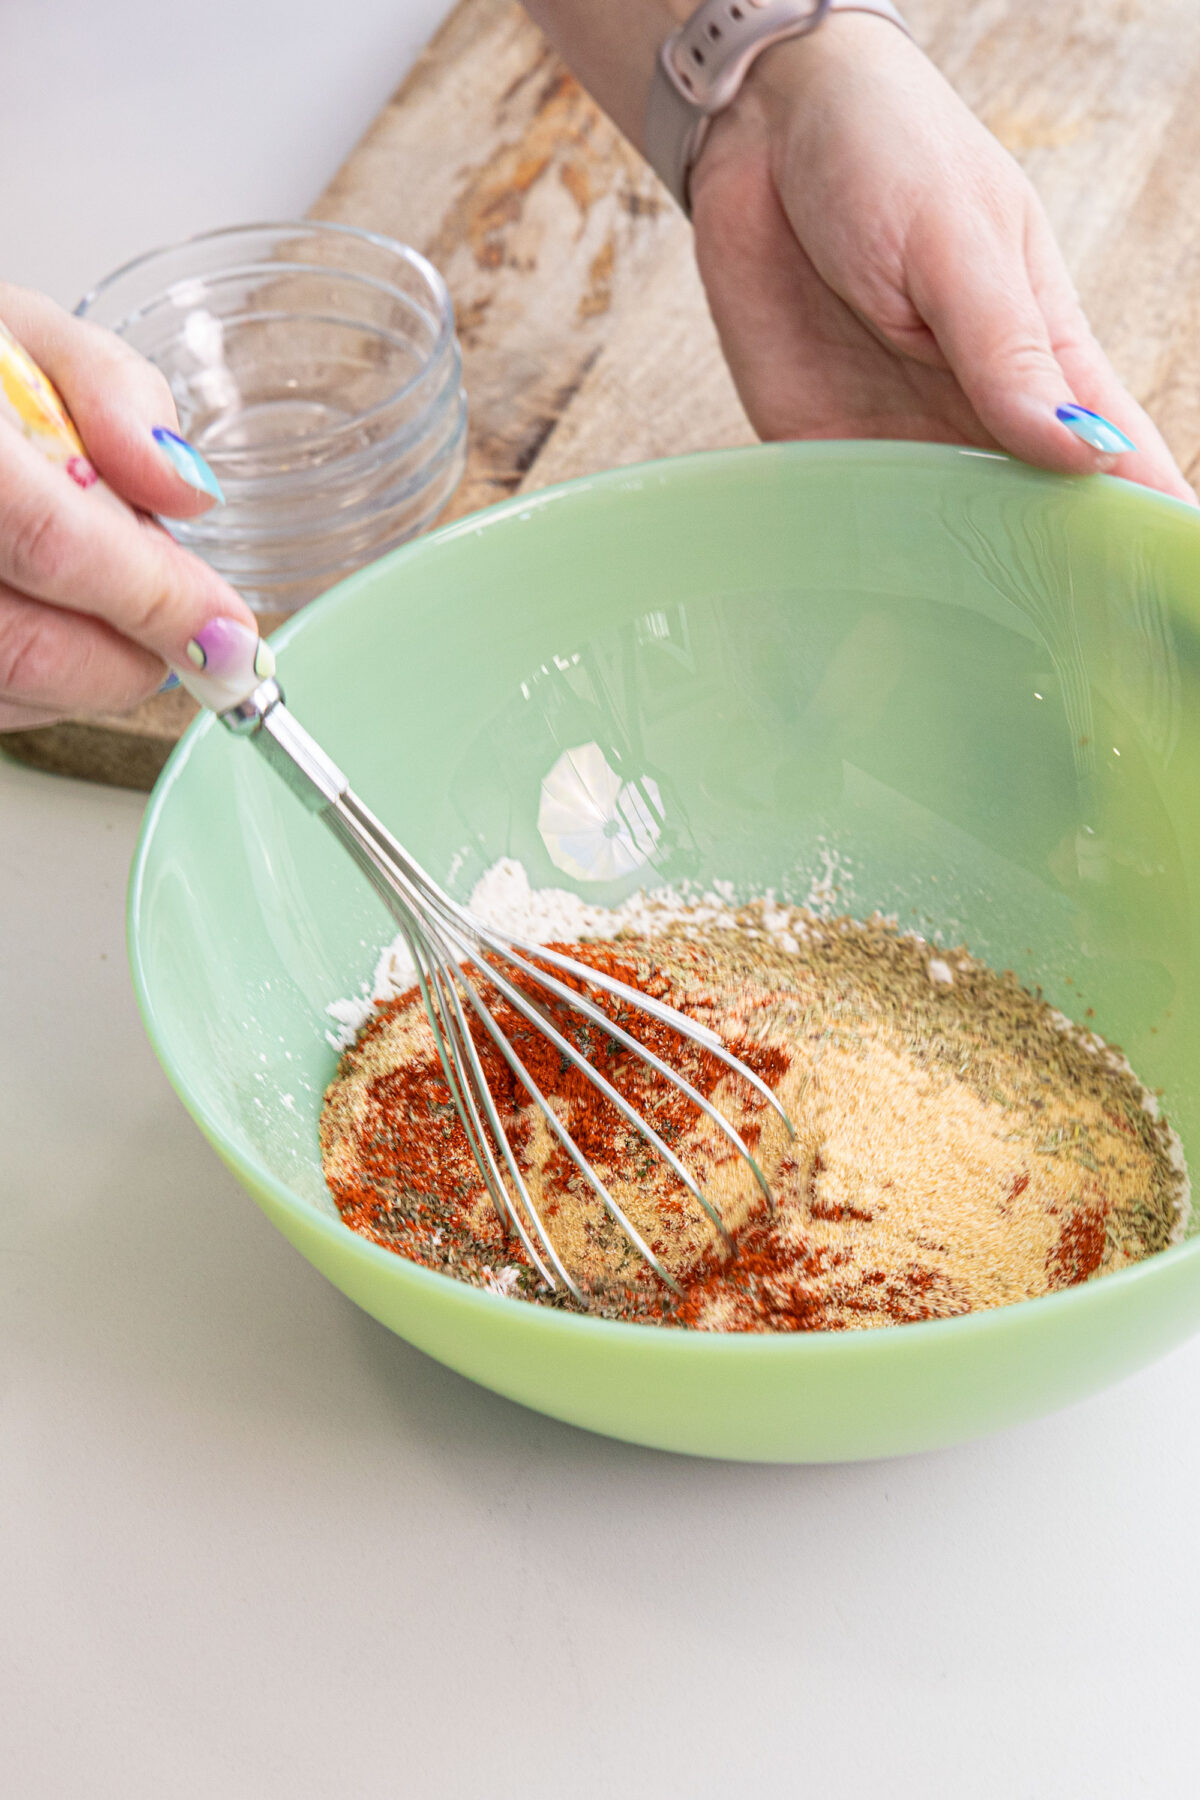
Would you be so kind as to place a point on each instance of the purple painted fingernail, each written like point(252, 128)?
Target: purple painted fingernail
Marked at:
point(228, 649)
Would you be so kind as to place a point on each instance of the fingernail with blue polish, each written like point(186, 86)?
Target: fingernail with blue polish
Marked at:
point(187, 463)
point(172, 681)
point(1094, 429)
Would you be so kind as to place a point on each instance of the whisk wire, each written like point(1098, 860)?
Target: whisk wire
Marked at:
point(564, 1137)
point(396, 877)
point(581, 1004)
point(446, 940)
point(566, 1048)
point(459, 1039)
point(657, 1009)
point(459, 931)
point(428, 895)
point(384, 863)
point(517, 952)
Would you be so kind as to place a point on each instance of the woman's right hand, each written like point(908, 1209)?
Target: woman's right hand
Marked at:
point(94, 601)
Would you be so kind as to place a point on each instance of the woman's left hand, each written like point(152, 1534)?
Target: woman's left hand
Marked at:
point(879, 266)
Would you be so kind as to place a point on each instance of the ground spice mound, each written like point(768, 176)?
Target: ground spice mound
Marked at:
point(957, 1143)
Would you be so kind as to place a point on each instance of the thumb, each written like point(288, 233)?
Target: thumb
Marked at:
point(977, 300)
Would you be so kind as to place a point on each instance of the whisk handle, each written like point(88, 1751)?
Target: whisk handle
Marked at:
point(296, 758)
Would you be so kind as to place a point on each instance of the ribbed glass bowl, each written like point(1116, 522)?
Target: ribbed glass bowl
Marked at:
point(964, 692)
point(316, 368)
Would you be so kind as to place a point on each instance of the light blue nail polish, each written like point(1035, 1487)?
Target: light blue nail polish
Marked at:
point(187, 462)
point(1095, 430)
point(172, 681)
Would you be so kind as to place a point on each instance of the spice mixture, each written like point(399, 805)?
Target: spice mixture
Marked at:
point(958, 1144)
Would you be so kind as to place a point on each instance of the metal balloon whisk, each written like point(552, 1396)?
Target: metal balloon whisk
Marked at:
point(453, 952)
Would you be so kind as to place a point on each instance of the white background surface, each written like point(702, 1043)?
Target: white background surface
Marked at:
point(251, 1545)
point(130, 123)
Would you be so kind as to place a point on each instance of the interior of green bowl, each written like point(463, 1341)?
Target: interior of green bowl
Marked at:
point(926, 682)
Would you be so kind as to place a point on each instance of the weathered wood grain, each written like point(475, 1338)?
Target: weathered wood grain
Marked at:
point(586, 339)
point(569, 267)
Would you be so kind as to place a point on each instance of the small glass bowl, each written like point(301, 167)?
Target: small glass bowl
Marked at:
point(315, 366)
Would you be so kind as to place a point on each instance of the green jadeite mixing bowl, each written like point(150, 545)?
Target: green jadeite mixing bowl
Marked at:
point(926, 681)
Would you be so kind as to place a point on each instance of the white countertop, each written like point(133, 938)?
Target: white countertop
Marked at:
point(252, 1545)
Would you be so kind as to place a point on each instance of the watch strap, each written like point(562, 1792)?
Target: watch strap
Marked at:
point(701, 66)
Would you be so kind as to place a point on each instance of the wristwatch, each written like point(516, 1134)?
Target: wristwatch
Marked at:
point(702, 65)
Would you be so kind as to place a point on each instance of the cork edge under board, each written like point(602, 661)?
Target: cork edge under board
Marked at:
point(117, 749)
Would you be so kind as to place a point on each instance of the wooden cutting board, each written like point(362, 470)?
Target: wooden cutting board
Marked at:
point(586, 339)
